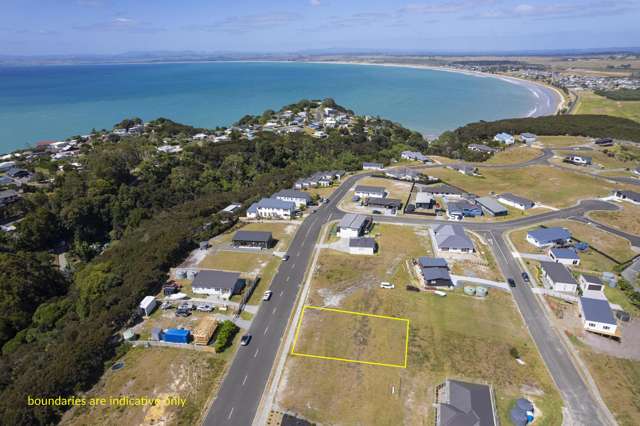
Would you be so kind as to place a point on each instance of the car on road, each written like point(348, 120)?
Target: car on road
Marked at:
point(285, 257)
point(525, 277)
point(385, 284)
point(376, 212)
point(512, 282)
point(267, 295)
point(244, 341)
point(205, 308)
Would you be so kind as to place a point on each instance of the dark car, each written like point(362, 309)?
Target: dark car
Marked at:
point(376, 212)
point(244, 341)
point(512, 282)
point(183, 312)
point(525, 277)
point(285, 257)
point(410, 208)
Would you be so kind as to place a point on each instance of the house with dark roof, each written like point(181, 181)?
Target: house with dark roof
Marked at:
point(597, 316)
point(217, 283)
point(556, 276)
point(453, 239)
point(443, 190)
point(252, 239)
point(477, 147)
point(354, 225)
point(566, 256)
point(590, 284)
point(18, 173)
point(363, 245)
point(491, 206)
point(403, 174)
point(386, 203)
point(515, 201)
point(414, 156)
point(630, 196)
point(544, 237)
point(364, 191)
point(300, 198)
point(465, 404)
point(8, 196)
point(434, 272)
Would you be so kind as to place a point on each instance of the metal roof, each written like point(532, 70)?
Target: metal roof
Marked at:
point(216, 279)
point(430, 274)
point(491, 204)
point(592, 279)
point(260, 236)
point(292, 193)
point(370, 189)
point(558, 273)
point(469, 404)
point(597, 310)
point(274, 203)
point(564, 253)
point(452, 237)
point(364, 242)
point(354, 221)
point(516, 199)
point(549, 235)
point(432, 262)
point(424, 197)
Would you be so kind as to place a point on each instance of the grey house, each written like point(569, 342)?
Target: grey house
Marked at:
point(260, 239)
point(491, 206)
point(8, 196)
point(452, 238)
point(465, 404)
point(435, 272)
point(217, 283)
point(556, 277)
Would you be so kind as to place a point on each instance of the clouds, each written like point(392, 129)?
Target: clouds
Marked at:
point(546, 10)
point(249, 23)
point(120, 24)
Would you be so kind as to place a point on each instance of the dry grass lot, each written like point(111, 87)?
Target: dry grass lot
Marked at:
point(395, 189)
point(618, 381)
point(323, 192)
point(482, 266)
point(563, 141)
point(602, 159)
point(590, 103)
point(627, 219)
point(515, 154)
point(544, 184)
point(456, 336)
point(154, 372)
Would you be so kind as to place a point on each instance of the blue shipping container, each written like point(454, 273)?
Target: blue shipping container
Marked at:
point(175, 335)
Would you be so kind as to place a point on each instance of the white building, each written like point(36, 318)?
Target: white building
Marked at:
point(364, 191)
point(556, 277)
point(515, 201)
point(630, 196)
point(566, 256)
point(504, 138)
point(528, 138)
point(299, 198)
point(270, 208)
point(597, 316)
point(217, 283)
point(354, 225)
point(363, 245)
point(372, 166)
point(147, 305)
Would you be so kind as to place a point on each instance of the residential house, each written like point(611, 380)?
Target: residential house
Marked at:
point(461, 209)
point(515, 201)
point(544, 237)
point(8, 196)
point(443, 190)
point(414, 156)
point(387, 203)
point(424, 200)
point(435, 272)
point(6, 165)
point(362, 245)
point(597, 316)
point(481, 148)
point(5, 180)
point(578, 160)
point(566, 256)
point(271, 208)
point(528, 138)
point(300, 198)
point(18, 173)
point(465, 404)
point(364, 191)
point(253, 239)
point(231, 208)
point(403, 174)
point(491, 206)
point(504, 138)
point(631, 196)
point(556, 277)
point(217, 283)
point(453, 239)
point(590, 285)
point(372, 166)
point(354, 225)
point(466, 170)
point(170, 149)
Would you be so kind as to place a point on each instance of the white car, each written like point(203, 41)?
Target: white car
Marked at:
point(385, 284)
point(267, 295)
point(205, 308)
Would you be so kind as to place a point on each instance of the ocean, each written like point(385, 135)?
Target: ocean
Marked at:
point(55, 102)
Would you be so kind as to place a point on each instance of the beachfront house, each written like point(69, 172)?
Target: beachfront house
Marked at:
point(545, 237)
point(504, 138)
point(555, 276)
point(515, 201)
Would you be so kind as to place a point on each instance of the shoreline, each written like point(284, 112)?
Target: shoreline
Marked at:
point(533, 86)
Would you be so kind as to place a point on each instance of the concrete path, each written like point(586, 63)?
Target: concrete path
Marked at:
point(533, 256)
point(458, 278)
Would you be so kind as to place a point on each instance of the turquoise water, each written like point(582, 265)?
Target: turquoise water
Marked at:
point(51, 102)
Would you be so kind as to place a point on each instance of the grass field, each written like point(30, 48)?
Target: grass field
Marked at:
point(154, 372)
point(627, 219)
point(395, 189)
point(515, 154)
point(618, 381)
point(453, 337)
point(591, 103)
point(562, 141)
point(547, 185)
point(602, 159)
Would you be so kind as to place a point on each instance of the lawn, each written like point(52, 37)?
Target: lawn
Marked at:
point(627, 219)
point(618, 381)
point(158, 373)
point(395, 189)
point(515, 154)
point(591, 103)
point(608, 162)
point(548, 185)
point(617, 296)
point(562, 141)
point(323, 192)
point(453, 337)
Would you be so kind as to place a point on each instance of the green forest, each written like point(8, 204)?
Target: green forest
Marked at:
point(125, 217)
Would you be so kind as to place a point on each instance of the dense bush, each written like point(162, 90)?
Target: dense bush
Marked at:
point(225, 336)
point(620, 94)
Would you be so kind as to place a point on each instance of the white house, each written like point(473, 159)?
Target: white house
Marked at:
point(630, 196)
point(299, 198)
point(271, 208)
point(414, 156)
point(372, 166)
point(354, 225)
point(556, 277)
point(591, 285)
point(364, 191)
point(217, 283)
point(147, 305)
point(362, 245)
point(597, 316)
point(515, 201)
point(566, 256)
point(528, 138)
point(504, 138)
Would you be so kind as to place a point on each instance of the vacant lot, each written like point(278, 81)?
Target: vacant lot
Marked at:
point(395, 189)
point(601, 158)
point(627, 219)
point(483, 265)
point(562, 141)
point(455, 336)
point(591, 103)
point(514, 155)
point(157, 373)
point(548, 185)
point(618, 381)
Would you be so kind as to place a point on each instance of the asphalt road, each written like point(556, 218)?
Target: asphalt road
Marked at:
point(246, 380)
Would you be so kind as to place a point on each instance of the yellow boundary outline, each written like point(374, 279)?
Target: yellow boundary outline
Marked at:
point(332, 358)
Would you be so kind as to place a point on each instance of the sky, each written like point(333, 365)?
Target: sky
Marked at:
point(64, 27)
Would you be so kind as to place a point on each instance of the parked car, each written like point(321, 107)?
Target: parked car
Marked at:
point(512, 282)
point(285, 257)
point(188, 306)
point(166, 305)
point(410, 208)
point(205, 308)
point(376, 212)
point(385, 284)
point(183, 312)
point(267, 295)
point(525, 277)
point(244, 341)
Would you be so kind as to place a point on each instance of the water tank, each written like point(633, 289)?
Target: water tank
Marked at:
point(481, 291)
point(471, 291)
